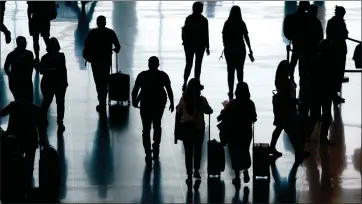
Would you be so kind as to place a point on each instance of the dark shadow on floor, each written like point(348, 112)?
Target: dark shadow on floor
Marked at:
point(63, 167)
point(215, 191)
point(118, 117)
point(236, 198)
point(99, 165)
point(152, 193)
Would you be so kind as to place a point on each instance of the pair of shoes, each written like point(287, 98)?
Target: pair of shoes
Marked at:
point(246, 176)
point(101, 109)
point(189, 181)
point(197, 175)
point(236, 182)
point(8, 37)
point(231, 95)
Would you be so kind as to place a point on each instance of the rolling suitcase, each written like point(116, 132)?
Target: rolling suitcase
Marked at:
point(118, 86)
point(215, 156)
point(260, 159)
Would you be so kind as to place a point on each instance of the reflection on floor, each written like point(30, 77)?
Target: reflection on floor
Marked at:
point(103, 159)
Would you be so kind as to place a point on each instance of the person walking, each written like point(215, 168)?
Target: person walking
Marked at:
point(233, 34)
point(192, 107)
point(55, 81)
point(152, 99)
point(98, 49)
point(195, 38)
point(3, 28)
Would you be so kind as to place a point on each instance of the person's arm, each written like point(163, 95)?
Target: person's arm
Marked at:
point(206, 107)
point(30, 10)
point(6, 111)
point(253, 113)
point(246, 37)
point(115, 42)
point(136, 88)
point(170, 93)
point(179, 107)
point(7, 64)
point(207, 35)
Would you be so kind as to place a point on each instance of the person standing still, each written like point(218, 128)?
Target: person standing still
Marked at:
point(153, 98)
point(98, 49)
point(195, 38)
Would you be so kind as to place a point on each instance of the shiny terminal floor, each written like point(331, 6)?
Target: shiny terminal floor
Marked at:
point(107, 165)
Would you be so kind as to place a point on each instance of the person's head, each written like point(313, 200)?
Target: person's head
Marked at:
point(192, 94)
point(340, 11)
point(242, 91)
point(101, 22)
point(325, 46)
point(53, 45)
point(303, 6)
point(282, 70)
point(197, 7)
point(153, 63)
point(235, 13)
point(21, 42)
point(313, 10)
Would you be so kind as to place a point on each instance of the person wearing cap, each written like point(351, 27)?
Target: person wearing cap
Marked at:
point(192, 107)
point(152, 99)
point(98, 51)
point(337, 32)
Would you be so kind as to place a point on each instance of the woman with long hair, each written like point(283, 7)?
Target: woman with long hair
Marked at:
point(233, 34)
point(239, 114)
point(54, 81)
point(192, 107)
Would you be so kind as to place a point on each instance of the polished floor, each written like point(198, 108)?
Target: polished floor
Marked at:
point(106, 164)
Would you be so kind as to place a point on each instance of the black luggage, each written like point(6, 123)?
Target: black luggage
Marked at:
point(118, 86)
point(260, 159)
point(49, 173)
point(215, 156)
point(357, 56)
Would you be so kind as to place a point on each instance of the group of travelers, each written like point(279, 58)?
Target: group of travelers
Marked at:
point(296, 116)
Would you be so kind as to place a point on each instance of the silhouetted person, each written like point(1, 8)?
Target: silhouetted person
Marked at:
point(3, 28)
point(39, 15)
point(285, 112)
point(295, 29)
point(24, 124)
point(19, 66)
point(55, 81)
point(315, 34)
point(195, 38)
point(153, 99)
point(323, 89)
point(239, 115)
point(357, 56)
point(234, 33)
point(337, 32)
point(98, 51)
point(192, 107)
point(13, 164)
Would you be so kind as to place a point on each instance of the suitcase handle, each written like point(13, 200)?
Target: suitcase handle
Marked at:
point(116, 64)
point(209, 127)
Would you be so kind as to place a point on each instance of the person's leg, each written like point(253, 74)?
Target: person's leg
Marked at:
point(30, 157)
point(240, 67)
point(28, 90)
point(105, 69)
point(3, 28)
point(315, 114)
point(198, 62)
point(97, 75)
point(35, 32)
point(246, 158)
point(60, 99)
point(146, 133)
point(157, 131)
point(292, 64)
point(45, 31)
point(341, 66)
point(230, 63)
point(197, 148)
point(188, 146)
point(326, 120)
point(189, 54)
point(235, 161)
point(275, 136)
point(13, 88)
point(48, 94)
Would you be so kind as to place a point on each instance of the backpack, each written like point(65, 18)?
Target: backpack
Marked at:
point(288, 26)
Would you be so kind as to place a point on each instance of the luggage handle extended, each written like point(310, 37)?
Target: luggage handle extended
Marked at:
point(117, 70)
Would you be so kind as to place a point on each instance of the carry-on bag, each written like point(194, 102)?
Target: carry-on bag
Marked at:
point(215, 156)
point(260, 159)
point(118, 86)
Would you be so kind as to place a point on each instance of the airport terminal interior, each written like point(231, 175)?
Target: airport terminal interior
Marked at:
point(107, 165)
